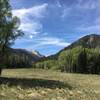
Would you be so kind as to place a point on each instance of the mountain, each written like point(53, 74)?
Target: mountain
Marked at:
point(33, 55)
point(21, 58)
point(88, 41)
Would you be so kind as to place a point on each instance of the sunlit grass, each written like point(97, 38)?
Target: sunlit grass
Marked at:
point(78, 86)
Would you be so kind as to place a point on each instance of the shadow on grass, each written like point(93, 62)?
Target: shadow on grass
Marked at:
point(29, 83)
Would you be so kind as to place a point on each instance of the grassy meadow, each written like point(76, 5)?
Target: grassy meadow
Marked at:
point(37, 84)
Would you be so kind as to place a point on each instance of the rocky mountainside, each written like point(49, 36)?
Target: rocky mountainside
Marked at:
point(21, 58)
point(33, 55)
point(88, 41)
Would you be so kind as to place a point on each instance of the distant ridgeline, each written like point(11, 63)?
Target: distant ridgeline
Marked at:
point(82, 56)
point(20, 58)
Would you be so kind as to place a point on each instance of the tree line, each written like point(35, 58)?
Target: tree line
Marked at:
point(76, 60)
point(18, 61)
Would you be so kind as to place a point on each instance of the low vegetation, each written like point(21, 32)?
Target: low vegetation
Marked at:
point(52, 85)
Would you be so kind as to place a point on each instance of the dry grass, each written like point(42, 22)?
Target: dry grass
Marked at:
point(35, 84)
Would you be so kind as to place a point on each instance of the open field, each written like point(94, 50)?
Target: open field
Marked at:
point(36, 84)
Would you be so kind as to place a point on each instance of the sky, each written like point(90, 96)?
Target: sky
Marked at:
point(51, 25)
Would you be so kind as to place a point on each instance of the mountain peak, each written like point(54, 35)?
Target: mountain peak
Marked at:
point(88, 41)
point(35, 52)
point(34, 55)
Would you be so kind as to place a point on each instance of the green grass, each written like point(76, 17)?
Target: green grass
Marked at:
point(36, 84)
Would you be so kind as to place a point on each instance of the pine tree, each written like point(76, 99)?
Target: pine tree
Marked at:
point(82, 61)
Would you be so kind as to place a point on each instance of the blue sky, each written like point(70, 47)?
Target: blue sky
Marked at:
point(51, 25)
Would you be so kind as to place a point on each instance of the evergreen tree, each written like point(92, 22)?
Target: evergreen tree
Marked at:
point(82, 61)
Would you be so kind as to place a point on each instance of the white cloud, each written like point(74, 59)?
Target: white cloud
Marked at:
point(36, 11)
point(43, 42)
point(51, 41)
point(30, 18)
point(31, 28)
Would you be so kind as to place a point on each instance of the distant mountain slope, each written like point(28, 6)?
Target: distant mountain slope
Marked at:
point(21, 58)
point(33, 55)
point(88, 41)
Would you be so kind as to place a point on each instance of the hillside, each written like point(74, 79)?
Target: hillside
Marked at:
point(33, 55)
point(88, 41)
point(18, 58)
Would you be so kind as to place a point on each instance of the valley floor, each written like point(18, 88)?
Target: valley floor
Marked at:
point(36, 84)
